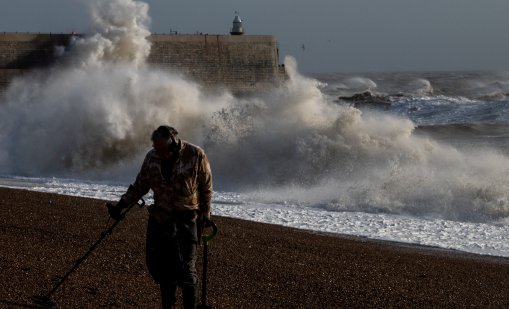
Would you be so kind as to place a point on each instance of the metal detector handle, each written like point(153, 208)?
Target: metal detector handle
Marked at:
point(208, 237)
point(141, 202)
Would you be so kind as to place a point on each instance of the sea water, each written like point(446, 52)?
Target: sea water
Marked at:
point(419, 157)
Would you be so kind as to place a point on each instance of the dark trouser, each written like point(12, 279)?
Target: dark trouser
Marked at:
point(171, 258)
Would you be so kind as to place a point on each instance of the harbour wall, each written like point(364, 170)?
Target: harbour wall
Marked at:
point(241, 63)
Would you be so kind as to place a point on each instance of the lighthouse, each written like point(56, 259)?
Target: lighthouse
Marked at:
point(237, 28)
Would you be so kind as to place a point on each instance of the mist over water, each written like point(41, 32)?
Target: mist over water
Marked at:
point(94, 113)
point(91, 117)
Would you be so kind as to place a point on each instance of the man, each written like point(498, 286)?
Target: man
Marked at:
point(179, 175)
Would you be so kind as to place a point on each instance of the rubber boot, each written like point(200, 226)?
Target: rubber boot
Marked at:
point(168, 295)
point(190, 297)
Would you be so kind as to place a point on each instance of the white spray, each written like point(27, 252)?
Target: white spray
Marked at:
point(92, 117)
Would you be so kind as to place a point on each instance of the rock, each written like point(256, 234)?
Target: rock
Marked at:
point(367, 99)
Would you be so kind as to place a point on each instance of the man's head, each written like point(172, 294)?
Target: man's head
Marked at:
point(164, 139)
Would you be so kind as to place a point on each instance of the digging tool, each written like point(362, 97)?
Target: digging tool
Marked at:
point(206, 238)
point(44, 301)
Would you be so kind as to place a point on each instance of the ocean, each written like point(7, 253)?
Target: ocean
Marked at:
point(417, 157)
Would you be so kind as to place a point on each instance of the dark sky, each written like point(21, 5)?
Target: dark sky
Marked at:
point(337, 35)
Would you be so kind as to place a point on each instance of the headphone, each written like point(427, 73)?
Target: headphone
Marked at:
point(170, 134)
point(174, 146)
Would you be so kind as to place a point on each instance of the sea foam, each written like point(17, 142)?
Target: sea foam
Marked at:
point(91, 117)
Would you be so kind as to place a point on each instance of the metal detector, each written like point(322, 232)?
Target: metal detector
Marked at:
point(44, 301)
point(206, 238)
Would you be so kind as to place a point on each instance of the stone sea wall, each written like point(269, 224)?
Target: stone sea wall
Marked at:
point(242, 63)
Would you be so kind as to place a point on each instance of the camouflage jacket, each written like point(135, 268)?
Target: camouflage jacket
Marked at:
point(189, 188)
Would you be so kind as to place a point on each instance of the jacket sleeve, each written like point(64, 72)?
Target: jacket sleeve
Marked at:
point(204, 185)
point(141, 186)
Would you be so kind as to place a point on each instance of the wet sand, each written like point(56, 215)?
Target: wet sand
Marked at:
point(252, 265)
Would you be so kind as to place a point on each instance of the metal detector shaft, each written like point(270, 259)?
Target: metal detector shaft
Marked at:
point(206, 239)
point(84, 257)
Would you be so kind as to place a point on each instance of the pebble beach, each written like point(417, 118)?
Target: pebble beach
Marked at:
point(251, 265)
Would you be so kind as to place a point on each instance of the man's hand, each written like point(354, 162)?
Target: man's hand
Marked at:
point(115, 211)
point(206, 222)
